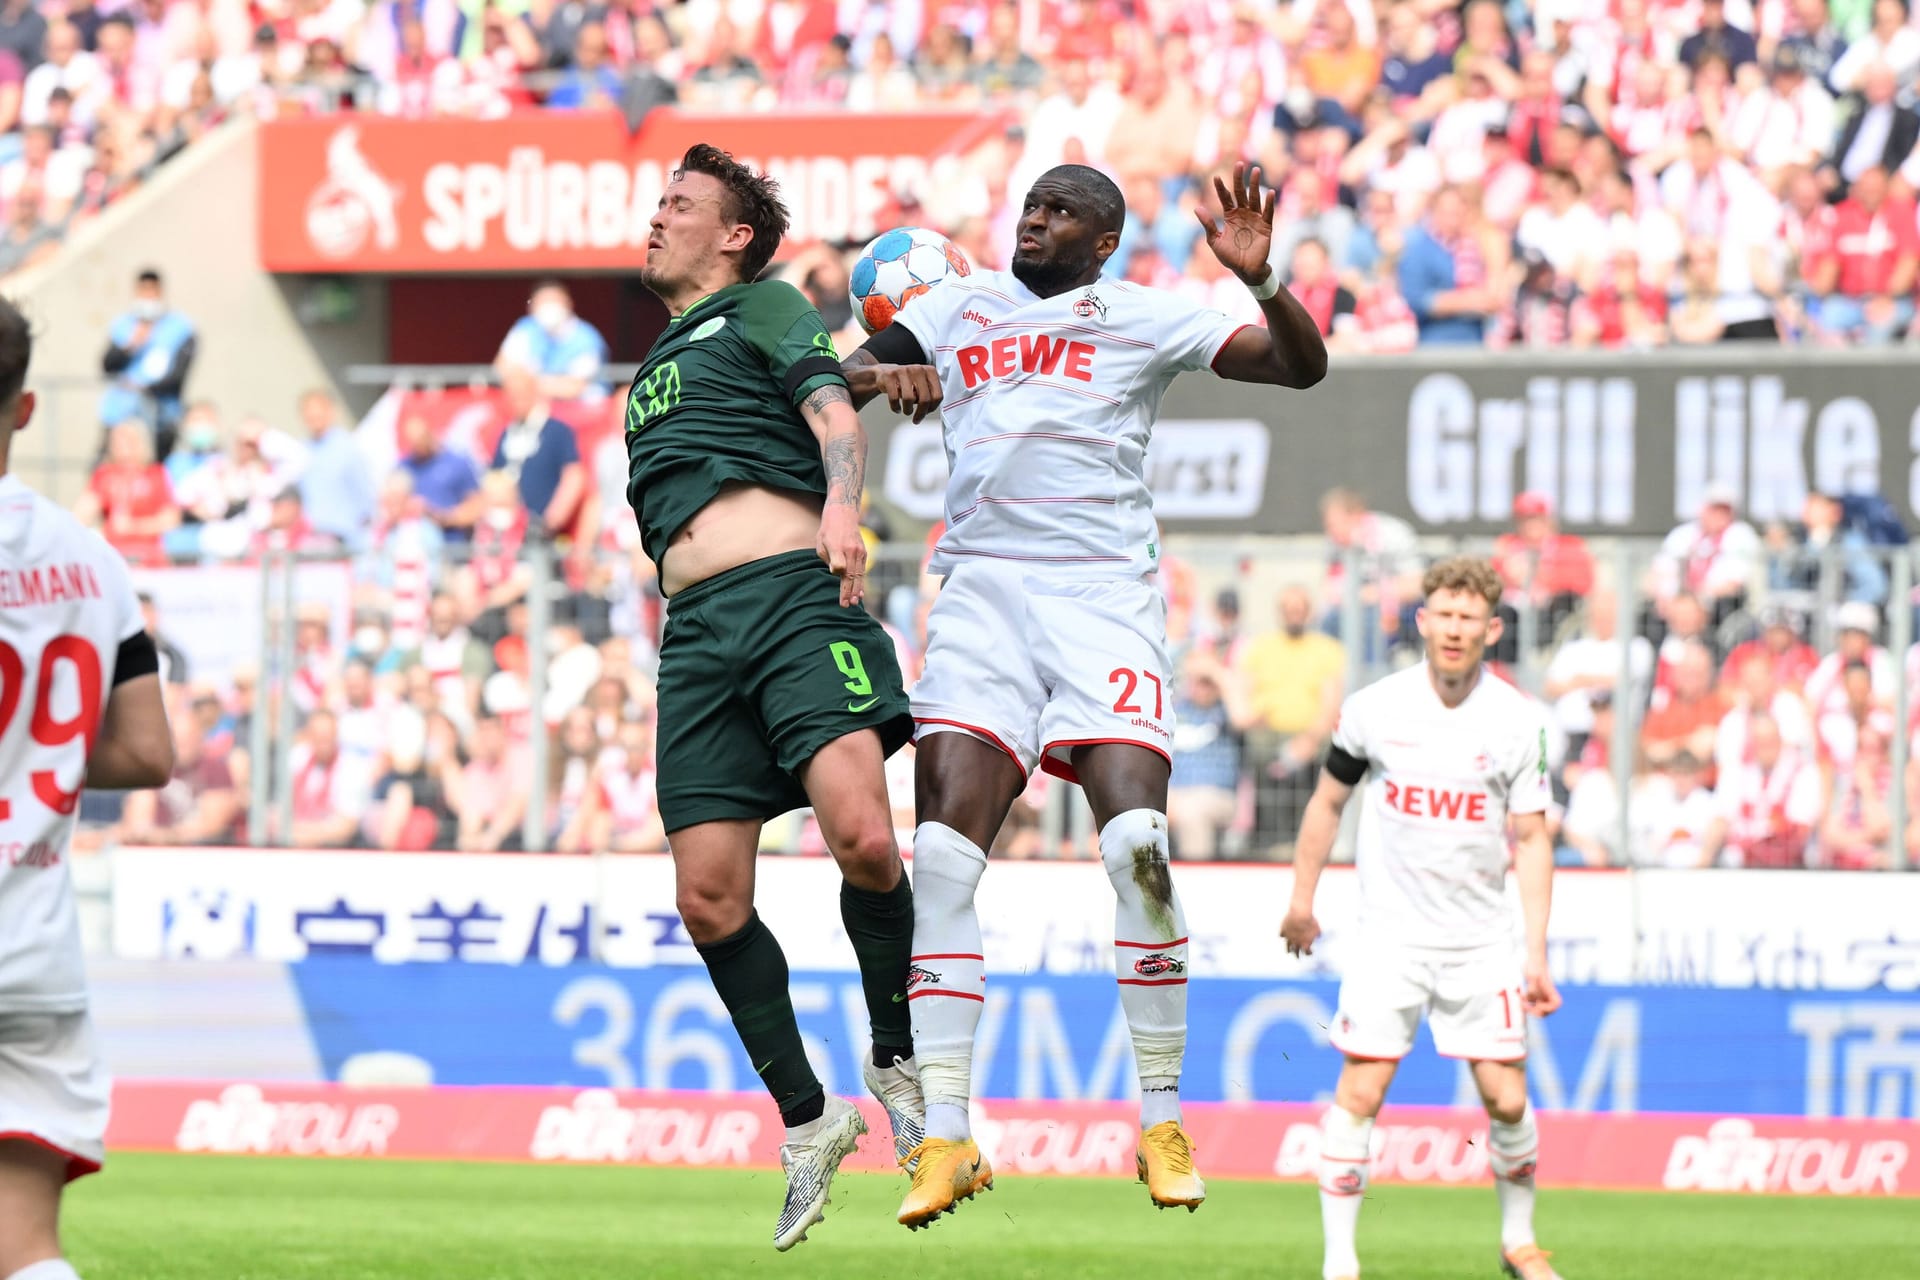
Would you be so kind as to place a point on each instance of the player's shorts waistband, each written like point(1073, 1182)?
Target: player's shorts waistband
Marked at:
point(741, 575)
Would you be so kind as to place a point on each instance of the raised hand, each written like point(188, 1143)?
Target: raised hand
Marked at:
point(1243, 237)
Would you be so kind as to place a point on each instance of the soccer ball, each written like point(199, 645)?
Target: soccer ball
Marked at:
point(897, 267)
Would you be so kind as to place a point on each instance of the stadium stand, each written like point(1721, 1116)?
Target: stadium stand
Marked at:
point(1538, 175)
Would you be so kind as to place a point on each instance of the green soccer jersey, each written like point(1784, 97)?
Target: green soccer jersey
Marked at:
point(716, 401)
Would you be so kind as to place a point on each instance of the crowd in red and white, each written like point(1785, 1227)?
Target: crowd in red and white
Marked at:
point(1612, 173)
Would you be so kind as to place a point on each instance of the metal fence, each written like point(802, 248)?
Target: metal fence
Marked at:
point(1613, 802)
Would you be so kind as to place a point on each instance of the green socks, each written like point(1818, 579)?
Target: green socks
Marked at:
point(880, 926)
point(750, 973)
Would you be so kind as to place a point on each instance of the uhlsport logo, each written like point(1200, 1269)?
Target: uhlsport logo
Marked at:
point(1156, 963)
point(351, 201)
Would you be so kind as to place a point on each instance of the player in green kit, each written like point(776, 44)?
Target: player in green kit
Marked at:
point(777, 690)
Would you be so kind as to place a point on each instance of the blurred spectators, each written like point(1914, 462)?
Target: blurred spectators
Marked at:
point(200, 806)
point(1860, 286)
point(1857, 623)
point(1853, 835)
point(175, 669)
point(1715, 556)
point(150, 349)
point(1768, 806)
point(1590, 662)
point(1210, 712)
point(1549, 570)
point(129, 498)
point(494, 789)
point(562, 352)
point(443, 480)
point(1688, 717)
point(1386, 553)
point(539, 455)
point(1780, 642)
point(1798, 553)
point(1444, 275)
point(1294, 679)
point(336, 485)
point(331, 790)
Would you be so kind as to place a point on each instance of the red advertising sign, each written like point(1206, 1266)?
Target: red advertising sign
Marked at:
point(566, 191)
point(1431, 1145)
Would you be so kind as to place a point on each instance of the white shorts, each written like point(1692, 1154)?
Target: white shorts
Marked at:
point(54, 1089)
point(1037, 665)
point(1473, 1000)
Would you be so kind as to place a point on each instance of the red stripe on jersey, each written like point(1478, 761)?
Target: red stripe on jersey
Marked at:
point(1214, 363)
point(1102, 441)
point(956, 995)
point(949, 955)
point(1064, 768)
point(1151, 946)
point(991, 737)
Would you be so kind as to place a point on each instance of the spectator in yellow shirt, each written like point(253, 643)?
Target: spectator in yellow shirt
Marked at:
point(1295, 678)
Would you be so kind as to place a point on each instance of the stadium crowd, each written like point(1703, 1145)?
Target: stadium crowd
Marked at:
point(416, 719)
point(1614, 173)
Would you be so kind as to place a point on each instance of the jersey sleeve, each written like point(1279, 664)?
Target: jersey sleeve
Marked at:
point(931, 315)
point(1350, 741)
point(787, 332)
point(1529, 790)
point(1190, 335)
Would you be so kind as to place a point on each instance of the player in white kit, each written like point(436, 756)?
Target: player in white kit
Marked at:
point(1454, 753)
point(1047, 644)
point(80, 705)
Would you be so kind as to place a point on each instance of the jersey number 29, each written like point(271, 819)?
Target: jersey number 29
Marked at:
point(47, 730)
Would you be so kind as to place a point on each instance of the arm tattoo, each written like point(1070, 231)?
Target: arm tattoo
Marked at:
point(819, 400)
point(846, 469)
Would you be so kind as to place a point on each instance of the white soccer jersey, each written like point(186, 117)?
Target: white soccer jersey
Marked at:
point(66, 606)
point(1432, 853)
point(1048, 407)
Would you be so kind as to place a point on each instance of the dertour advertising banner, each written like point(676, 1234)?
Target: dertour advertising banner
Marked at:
point(567, 191)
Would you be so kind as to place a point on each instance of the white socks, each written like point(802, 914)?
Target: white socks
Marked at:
point(1344, 1151)
point(946, 986)
point(1149, 956)
point(51, 1269)
point(1513, 1150)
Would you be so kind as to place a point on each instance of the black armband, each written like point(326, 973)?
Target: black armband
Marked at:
point(895, 344)
point(807, 368)
point(137, 657)
point(1347, 769)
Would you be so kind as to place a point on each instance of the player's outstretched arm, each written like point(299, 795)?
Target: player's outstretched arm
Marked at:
point(891, 364)
point(135, 746)
point(1289, 352)
point(1318, 827)
point(843, 451)
point(1533, 868)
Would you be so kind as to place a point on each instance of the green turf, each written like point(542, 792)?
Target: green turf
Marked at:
point(235, 1218)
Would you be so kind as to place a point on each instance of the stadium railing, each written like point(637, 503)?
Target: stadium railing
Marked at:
point(197, 606)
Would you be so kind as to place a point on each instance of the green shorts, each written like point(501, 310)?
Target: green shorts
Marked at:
point(760, 667)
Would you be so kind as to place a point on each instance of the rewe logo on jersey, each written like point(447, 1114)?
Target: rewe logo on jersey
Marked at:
point(1437, 802)
point(1026, 354)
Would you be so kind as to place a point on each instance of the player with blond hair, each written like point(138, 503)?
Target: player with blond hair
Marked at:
point(1450, 755)
point(80, 706)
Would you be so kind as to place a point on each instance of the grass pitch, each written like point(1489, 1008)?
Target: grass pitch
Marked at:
point(238, 1218)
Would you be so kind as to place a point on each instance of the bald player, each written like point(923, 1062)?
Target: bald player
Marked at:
point(1047, 645)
